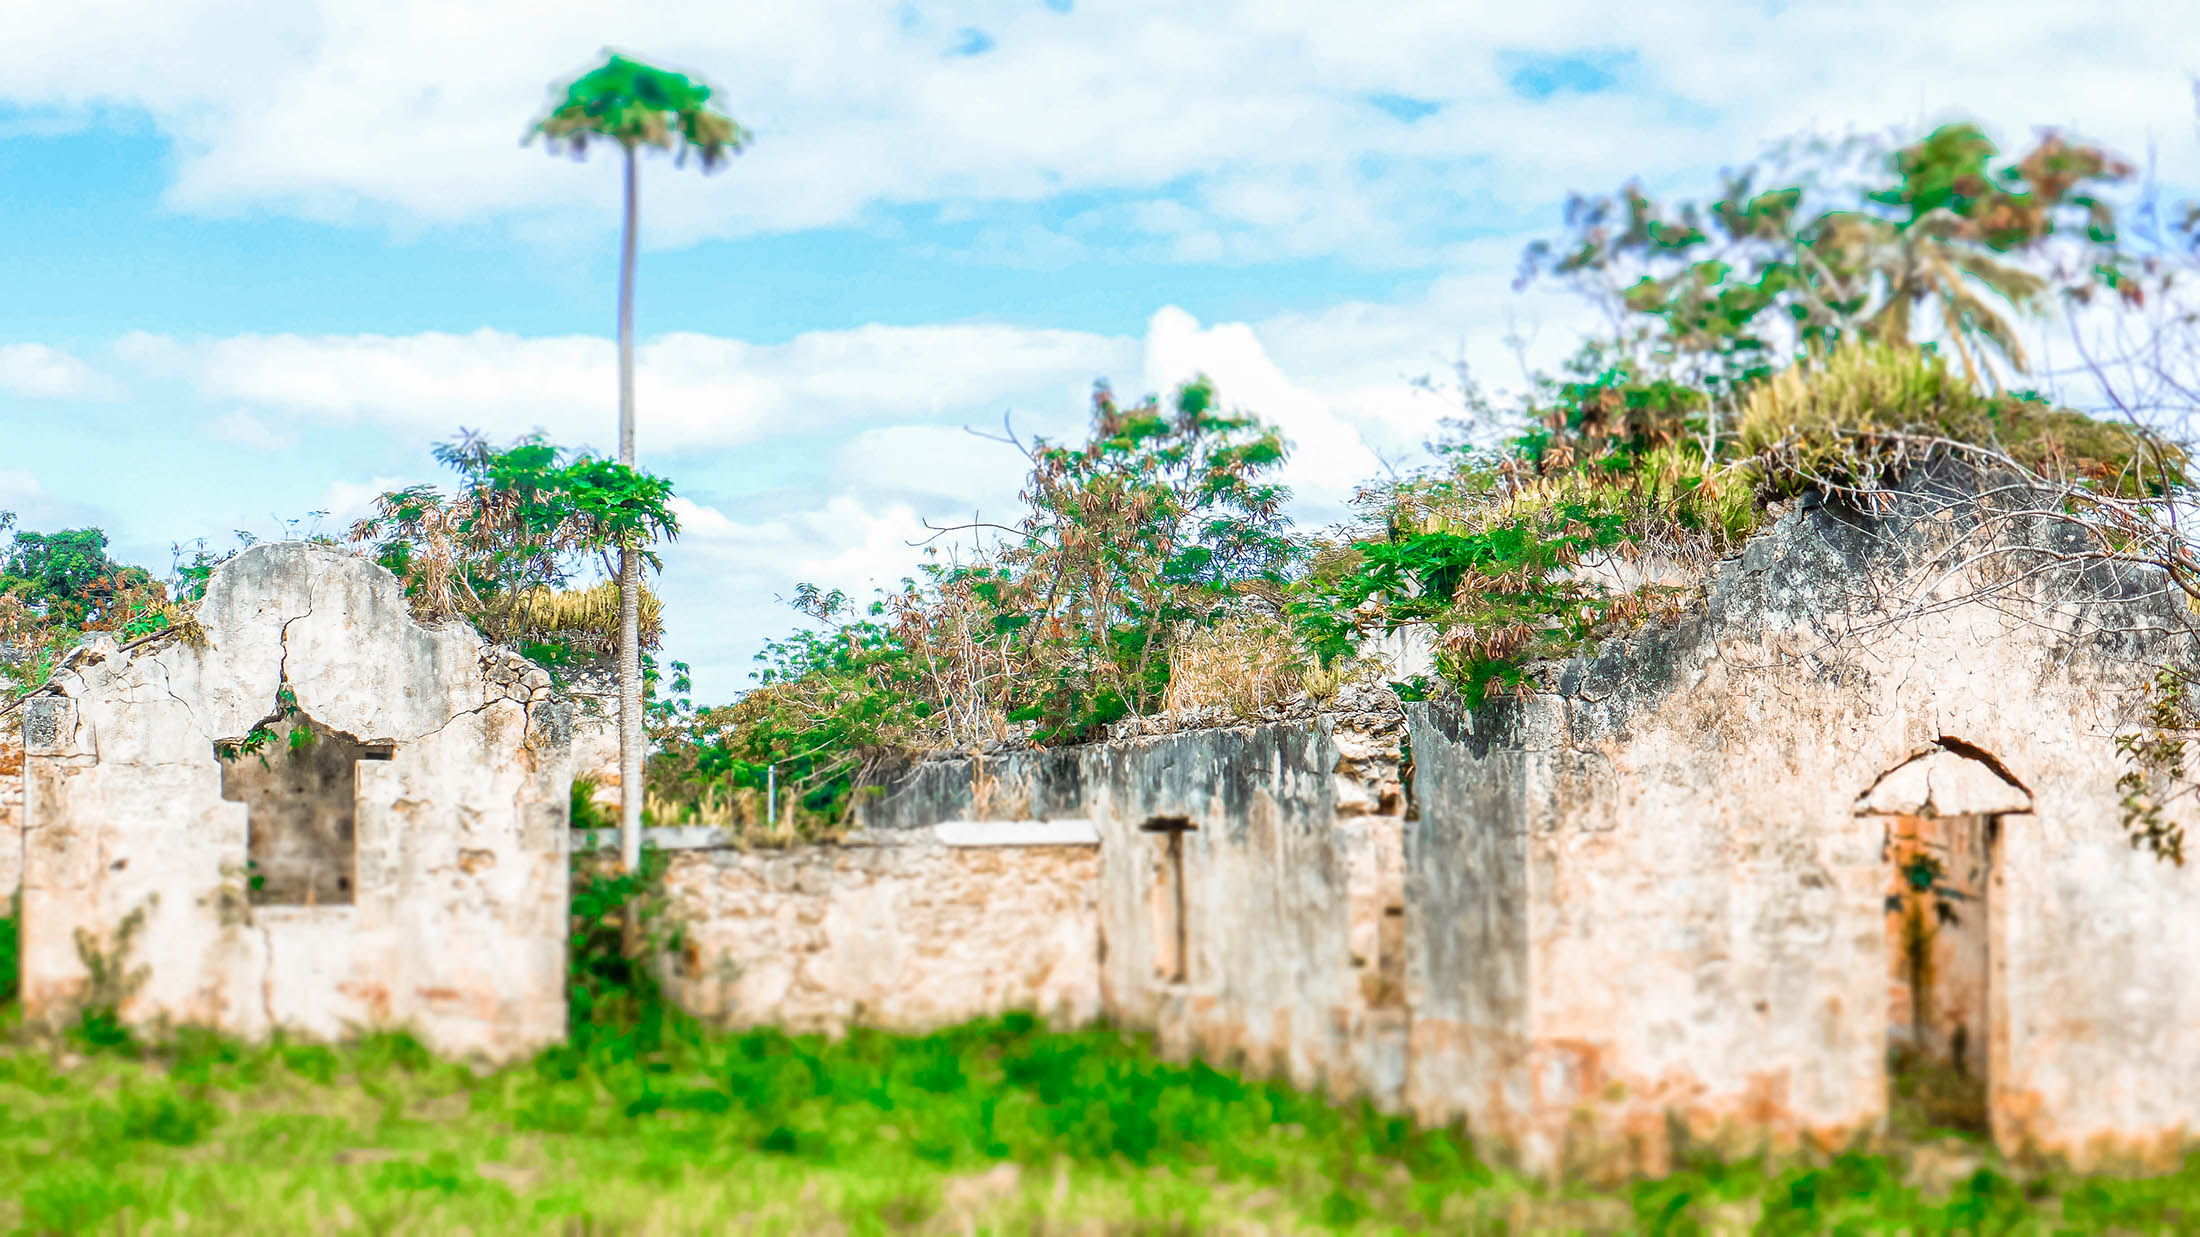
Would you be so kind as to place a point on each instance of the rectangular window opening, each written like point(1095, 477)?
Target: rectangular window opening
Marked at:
point(1390, 959)
point(1170, 930)
point(299, 782)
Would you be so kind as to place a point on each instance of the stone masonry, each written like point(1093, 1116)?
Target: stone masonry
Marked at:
point(387, 850)
point(905, 933)
point(1705, 890)
point(11, 808)
point(1703, 893)
point(1710, 886)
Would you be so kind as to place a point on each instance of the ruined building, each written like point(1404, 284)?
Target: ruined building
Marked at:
point(1858, 805)
point(311, 813)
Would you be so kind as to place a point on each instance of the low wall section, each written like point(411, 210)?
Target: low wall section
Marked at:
point(905, 933)
point(1232, 893)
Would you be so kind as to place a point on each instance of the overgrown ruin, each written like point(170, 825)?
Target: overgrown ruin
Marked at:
point(1849, 828)
point(310, 812)
point(1726, 883)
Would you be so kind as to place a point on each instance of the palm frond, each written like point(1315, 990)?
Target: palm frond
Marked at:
point(632, 104)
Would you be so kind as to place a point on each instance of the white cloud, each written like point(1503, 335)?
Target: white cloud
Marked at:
point(883, 410)
point(725, 579)
point(39, 509)
point(1328, 456)
point(891, 404)
point(239, 428)
point(693, 391)
point(1244, 126)
point(947, 471)
point(346, 502)
point(36, 371)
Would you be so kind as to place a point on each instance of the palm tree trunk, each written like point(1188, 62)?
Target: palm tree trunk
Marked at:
point(630, 568)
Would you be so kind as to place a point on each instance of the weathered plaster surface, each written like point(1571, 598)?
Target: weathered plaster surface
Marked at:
point(1652, 892)
point(1287, 866)
point(906, 935)
point(594, 697)
point(457, 926)
point(11, 808)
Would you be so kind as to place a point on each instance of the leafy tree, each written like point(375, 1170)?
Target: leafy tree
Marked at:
point(58, 586)
point(1724, 294)
point(503, 547)
point(68, 577)
point(54, 587)
point(1165, 521)
point(631, 105)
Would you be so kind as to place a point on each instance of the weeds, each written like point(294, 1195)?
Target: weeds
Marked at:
point(1238, 667)
point(647, 1120)
point(10, 958)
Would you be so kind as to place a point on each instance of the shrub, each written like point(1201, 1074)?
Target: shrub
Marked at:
point(1866, 410)
point(1163, 524)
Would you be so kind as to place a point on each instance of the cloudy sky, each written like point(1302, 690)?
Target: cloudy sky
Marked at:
point(259, 255)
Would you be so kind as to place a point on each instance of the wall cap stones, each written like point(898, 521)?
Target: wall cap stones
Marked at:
point(1017, 832)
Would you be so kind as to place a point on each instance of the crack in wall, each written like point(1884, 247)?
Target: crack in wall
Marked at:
point(368, 674)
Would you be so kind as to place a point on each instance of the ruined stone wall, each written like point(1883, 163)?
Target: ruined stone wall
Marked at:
point(594, 697)
point(11, 809)
point(456, 922)
point(1245, 877)
point(1466, 927)
point(1663, 889)
point(905, 934)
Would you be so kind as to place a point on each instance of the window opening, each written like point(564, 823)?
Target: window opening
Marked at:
point(299, 782)
point(1171, 944)
point(1390, 958)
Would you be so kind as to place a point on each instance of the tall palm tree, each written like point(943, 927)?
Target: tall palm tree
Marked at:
point(633, 105)
point(1956, 228)
point(1936, 258)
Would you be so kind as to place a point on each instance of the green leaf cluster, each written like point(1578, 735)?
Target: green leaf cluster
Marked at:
point(503, 548)
point(55, 587)
point(633, 104)
point(1728, 290)
point(1165, 520)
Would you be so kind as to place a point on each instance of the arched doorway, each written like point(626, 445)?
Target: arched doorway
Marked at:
point(1942, 813)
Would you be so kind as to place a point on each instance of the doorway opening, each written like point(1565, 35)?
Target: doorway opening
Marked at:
point(1941, 816)
point(1938, 875)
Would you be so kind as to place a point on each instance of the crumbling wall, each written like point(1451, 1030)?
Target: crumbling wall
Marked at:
point(11, 809)
point(137, 889)
point(1664, 907)
point(594, 698)
point(904, 933)
point(1245, 875)
point(1466, 925)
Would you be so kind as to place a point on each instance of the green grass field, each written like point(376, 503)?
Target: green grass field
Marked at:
point(649, 1124)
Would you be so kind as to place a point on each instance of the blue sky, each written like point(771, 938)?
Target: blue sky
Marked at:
point(260, 255)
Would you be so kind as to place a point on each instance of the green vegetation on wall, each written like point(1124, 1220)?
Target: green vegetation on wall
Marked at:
point(1164, 522)
point(1785, 337)
point(502, 550)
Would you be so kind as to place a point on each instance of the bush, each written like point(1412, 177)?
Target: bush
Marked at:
point(1163, 524)
point(1867, 410)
